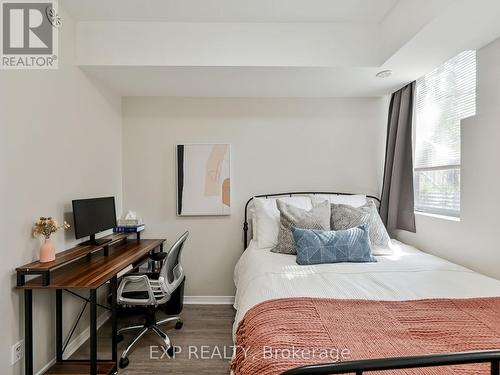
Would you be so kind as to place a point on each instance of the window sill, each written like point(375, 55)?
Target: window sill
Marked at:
point(436, 216)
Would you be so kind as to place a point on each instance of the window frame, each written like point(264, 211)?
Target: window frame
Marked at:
point(439, 211)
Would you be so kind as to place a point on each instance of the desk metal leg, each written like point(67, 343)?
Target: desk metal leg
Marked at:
point(161, 261)
point(114, 317)
point(93, 331)
point(59, 325)
point(28, 331)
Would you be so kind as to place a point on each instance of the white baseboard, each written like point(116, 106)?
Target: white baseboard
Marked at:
point(209, 300)
point(77, 341)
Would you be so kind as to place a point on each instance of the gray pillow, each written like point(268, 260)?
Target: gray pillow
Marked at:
point(292, 217)
point(346, 217)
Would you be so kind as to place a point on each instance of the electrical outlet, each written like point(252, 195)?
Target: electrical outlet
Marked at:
point(17, 352)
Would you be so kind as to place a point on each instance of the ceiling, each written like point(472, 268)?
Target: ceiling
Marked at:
point(273, 48)
point(243, 81)
point(372, 11)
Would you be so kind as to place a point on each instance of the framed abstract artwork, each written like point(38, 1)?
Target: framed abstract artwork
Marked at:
point(203, 179)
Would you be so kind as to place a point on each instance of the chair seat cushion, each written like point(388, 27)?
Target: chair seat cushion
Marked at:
point(136, 294)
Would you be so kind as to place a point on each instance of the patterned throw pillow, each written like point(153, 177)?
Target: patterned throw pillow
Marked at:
point(328, 246)
point(292, 217)
point(267, 218)
point(346, 217)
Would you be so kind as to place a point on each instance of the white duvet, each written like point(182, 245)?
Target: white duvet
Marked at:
point(261, 275)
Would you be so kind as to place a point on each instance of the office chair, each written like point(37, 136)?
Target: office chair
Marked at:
point(150, 291)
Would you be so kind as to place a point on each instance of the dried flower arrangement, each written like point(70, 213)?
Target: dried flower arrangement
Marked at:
point(45, 226)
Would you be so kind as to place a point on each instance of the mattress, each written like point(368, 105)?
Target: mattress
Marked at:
point(408, 274)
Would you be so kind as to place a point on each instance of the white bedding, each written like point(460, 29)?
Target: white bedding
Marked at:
point(407, 274)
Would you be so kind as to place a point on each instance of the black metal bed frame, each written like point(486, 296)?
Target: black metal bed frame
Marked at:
point(382, 364)
point(398, 363)
point(245, 223)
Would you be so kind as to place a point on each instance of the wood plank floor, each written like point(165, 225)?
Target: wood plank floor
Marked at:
point(206, 331)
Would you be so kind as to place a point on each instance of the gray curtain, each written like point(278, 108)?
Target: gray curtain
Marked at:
point(397, 208)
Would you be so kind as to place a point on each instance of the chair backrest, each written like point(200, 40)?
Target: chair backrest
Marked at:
point(171, 271)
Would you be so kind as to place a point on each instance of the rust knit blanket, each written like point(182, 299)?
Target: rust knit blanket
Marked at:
point(277, 335)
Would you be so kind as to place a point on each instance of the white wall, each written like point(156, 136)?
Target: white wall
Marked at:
point(277, 145)
point(60, 140)
point(473, 241)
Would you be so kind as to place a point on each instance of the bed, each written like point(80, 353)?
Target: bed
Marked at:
point(407, 275)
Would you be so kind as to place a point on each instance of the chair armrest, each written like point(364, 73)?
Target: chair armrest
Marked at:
point(138, 280)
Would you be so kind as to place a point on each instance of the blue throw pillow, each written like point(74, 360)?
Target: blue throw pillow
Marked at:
point(328, 246)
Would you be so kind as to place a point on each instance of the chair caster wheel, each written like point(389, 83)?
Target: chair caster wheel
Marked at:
point(179, 324)
point(123, 362)
point(170, 351)
point(119, 338)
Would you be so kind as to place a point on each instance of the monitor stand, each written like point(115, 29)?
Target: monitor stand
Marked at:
point(95, 242)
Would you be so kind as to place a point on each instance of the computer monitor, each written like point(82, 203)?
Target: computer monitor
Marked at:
point(92, 216)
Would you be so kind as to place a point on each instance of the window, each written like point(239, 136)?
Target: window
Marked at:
point(443, 98)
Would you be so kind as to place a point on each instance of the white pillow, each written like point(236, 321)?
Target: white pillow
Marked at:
point(267, 218)
point(251, 222)
point(357, 200)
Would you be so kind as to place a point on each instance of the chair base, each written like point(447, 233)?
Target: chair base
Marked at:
point(150, 325)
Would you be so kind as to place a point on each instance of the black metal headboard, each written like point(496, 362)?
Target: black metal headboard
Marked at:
point(245, 223)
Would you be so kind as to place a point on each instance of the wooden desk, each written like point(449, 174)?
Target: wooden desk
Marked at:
point(82, 267)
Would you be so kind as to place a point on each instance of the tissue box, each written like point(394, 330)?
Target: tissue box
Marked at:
point(130, 219)
point(129, 222)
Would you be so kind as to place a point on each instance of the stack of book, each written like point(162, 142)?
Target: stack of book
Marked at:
point(130, 228)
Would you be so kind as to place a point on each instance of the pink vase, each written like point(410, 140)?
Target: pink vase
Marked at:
point(47, 252)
